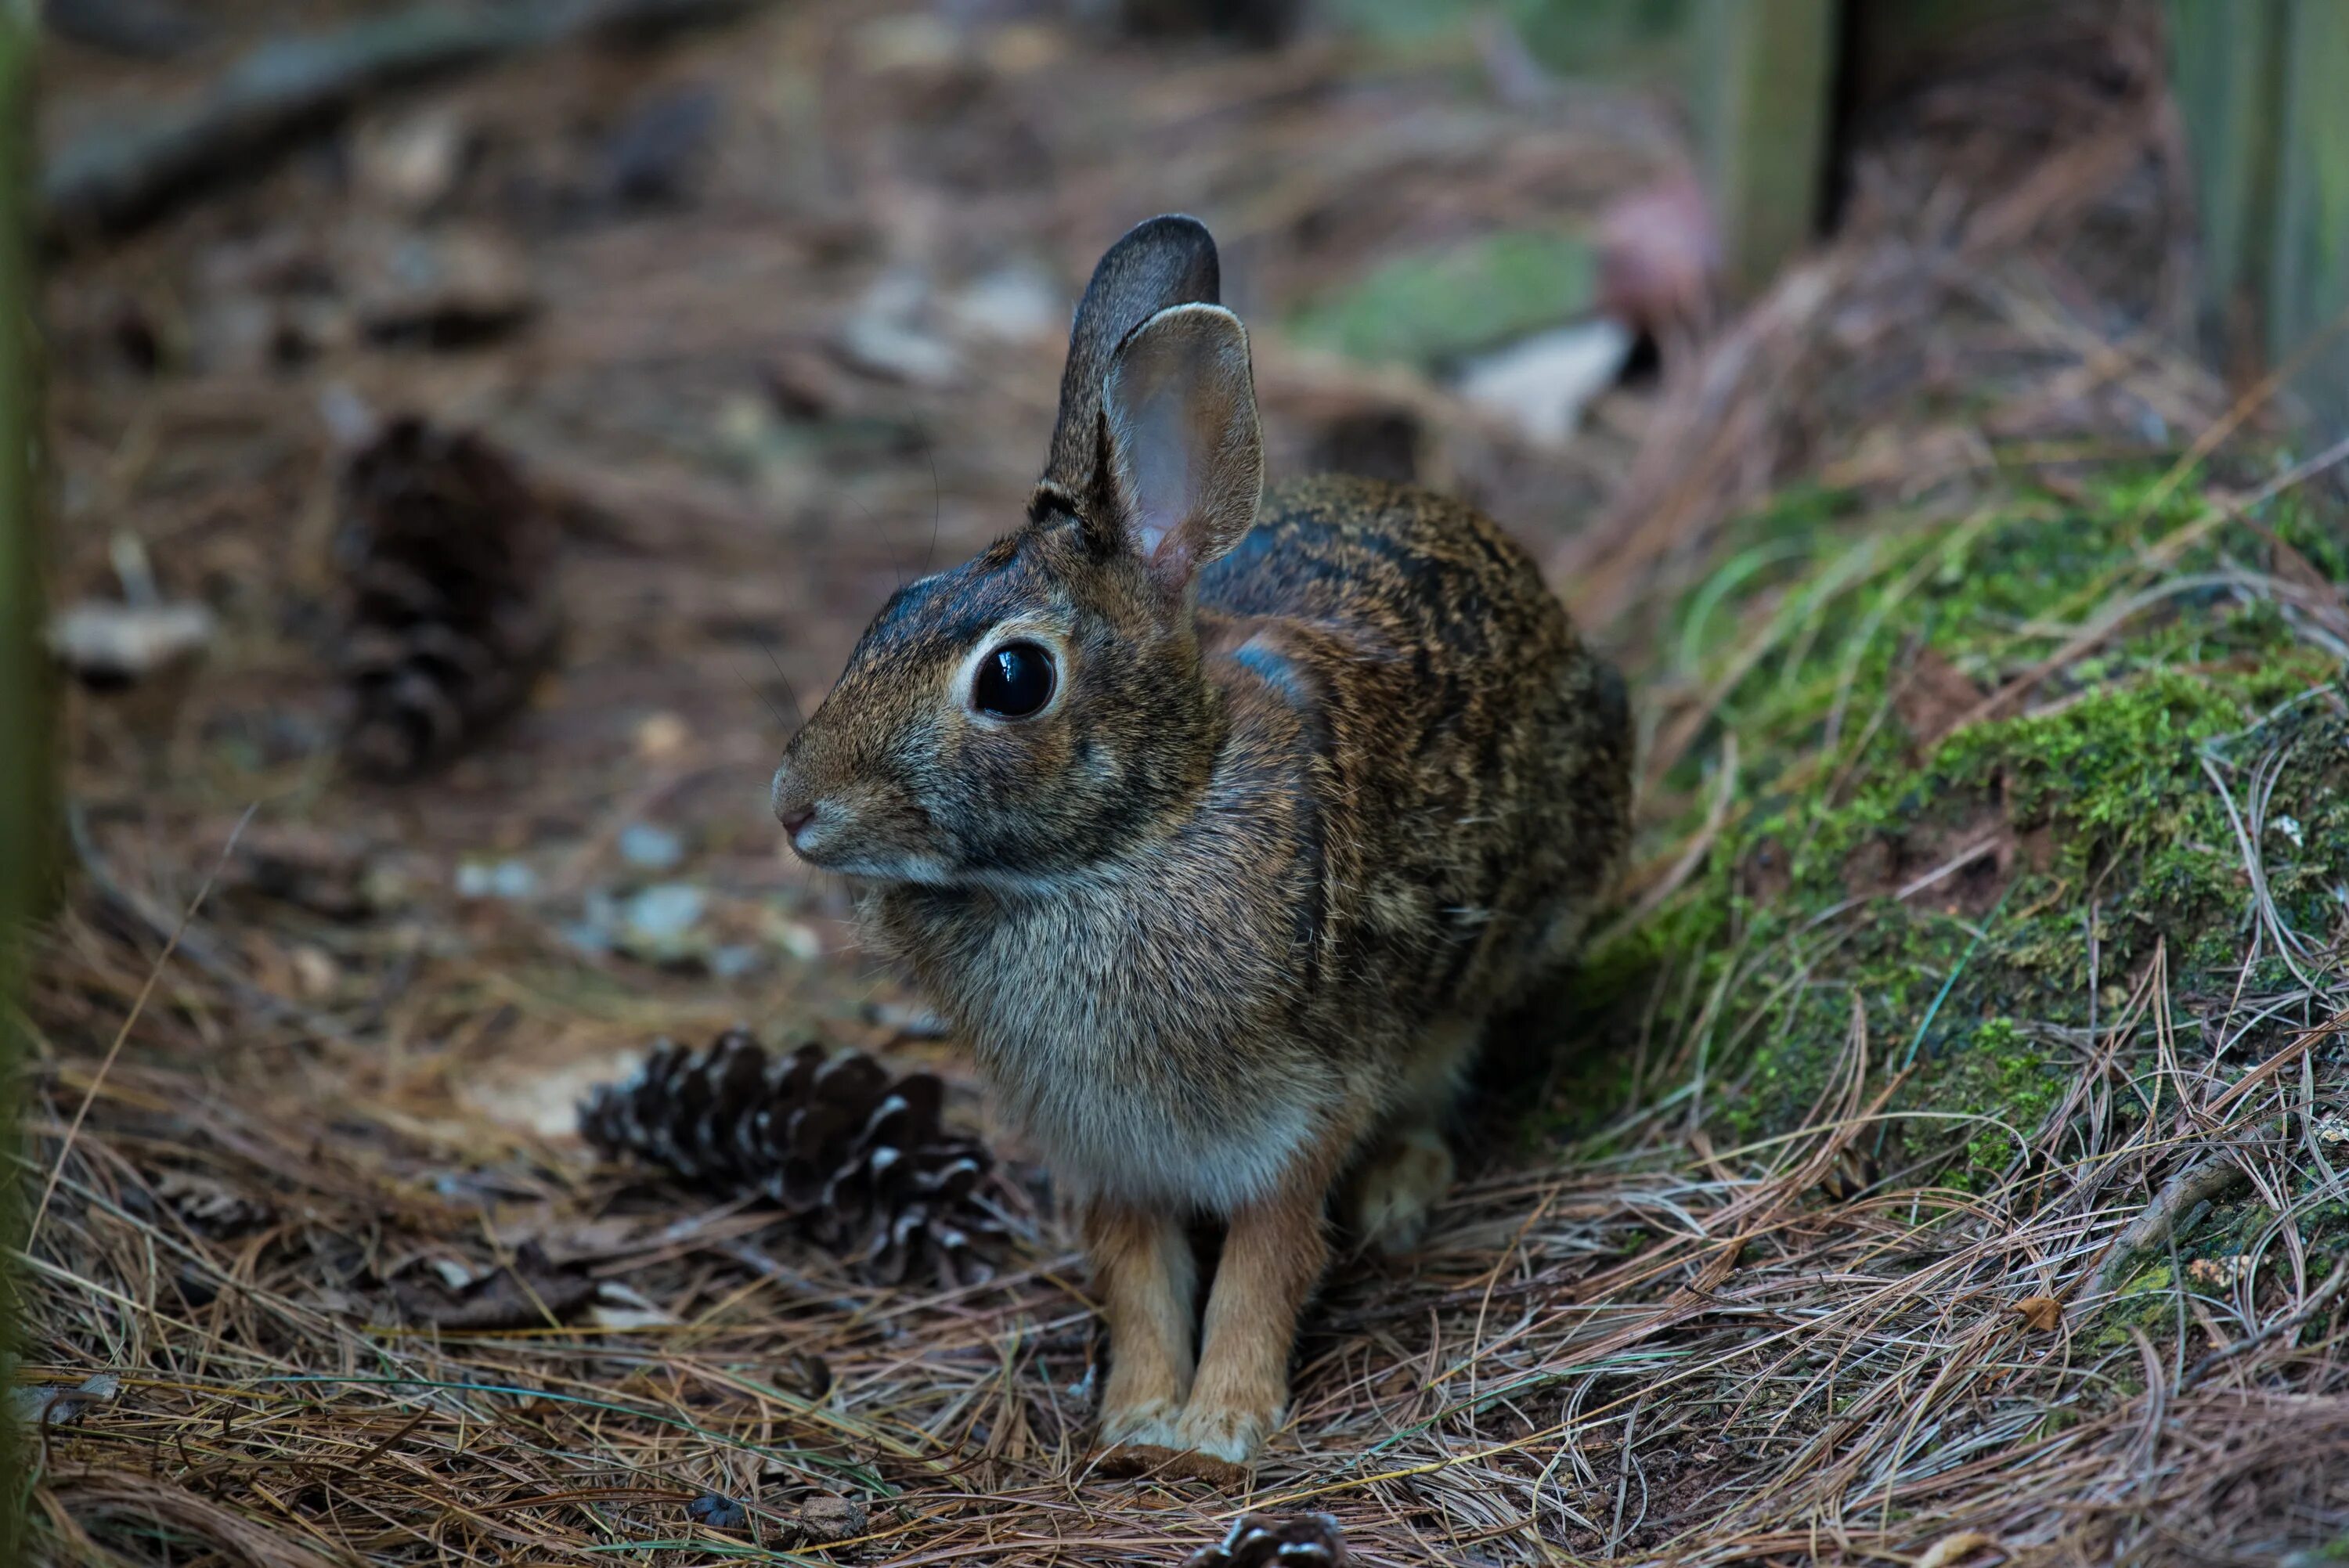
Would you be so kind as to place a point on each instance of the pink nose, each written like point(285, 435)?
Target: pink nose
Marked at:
point(795, 821)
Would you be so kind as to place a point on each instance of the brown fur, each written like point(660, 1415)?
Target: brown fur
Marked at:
point(1324, 785)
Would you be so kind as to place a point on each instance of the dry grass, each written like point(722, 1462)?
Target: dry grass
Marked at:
point(1642, 1347)
point(1660, 1353)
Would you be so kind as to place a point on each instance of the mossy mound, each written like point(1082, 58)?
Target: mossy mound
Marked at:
point(1986, 795)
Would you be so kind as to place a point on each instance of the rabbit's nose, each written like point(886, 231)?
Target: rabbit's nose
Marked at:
point(794, 820)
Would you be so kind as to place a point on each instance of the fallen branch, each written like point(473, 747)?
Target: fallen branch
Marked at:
point(2206, 1179)
point(127, 171)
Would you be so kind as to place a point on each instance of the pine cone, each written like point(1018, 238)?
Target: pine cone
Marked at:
point(1261, 1541)
point(856, 1157)
point(449, 555)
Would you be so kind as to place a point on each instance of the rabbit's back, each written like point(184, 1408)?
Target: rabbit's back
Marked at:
point(1475, 772)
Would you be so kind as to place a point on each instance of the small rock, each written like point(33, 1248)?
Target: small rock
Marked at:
point(1011, 304)
point(824, 1519)
point(411, 164)
point(663, 913)
point(1542, 384)
point(107, 646)
point(316, 973)
point(661, 736)
point(653, 847)
point(510, 880)
point(798, 938)
point(885, 335)
point(54, 1406)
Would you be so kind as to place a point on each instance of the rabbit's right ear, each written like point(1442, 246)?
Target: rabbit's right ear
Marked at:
point(1161, 263)
point(1185, 453)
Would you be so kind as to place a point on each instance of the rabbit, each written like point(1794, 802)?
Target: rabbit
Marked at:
point(1220, 822)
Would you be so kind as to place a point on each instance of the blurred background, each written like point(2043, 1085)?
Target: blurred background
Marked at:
point(477, 431)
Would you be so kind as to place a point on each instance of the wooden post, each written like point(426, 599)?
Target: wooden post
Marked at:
point(2308, 266)
point(27, 840)
point(1765, 70)
point(2259, 89)
point(2226, 67)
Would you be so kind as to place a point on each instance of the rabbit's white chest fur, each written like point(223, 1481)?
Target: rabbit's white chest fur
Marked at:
point(1128, 1035)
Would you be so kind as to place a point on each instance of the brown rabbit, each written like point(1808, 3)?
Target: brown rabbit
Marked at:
point(1221, 830)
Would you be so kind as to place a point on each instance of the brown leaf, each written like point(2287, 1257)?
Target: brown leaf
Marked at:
point(1855, 1171)
point(2044, 1313)
point(1952, 1550)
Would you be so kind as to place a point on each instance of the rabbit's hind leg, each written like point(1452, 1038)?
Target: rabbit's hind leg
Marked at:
point(1145, 1271)
point(1397, 1188)
point(1398, 1180)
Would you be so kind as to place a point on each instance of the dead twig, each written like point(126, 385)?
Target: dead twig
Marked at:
point(134, 168)
point(2206, 1179)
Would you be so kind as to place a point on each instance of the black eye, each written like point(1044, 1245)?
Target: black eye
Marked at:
point(1013, 682)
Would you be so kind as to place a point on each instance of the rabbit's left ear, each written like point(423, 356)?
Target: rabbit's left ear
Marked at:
point(1185, 451)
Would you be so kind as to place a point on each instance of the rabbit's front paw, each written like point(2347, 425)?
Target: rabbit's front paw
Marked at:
point(1231, 1434)
point(1394, 1193)
point(1151, 1424)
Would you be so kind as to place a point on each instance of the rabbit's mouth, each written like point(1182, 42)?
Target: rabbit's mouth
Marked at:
point(854, 839)
point(871, 863)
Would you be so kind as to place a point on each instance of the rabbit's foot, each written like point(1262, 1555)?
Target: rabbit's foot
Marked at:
point(1229, 1435)
point(1394, 1193)
point(1148, 1425)
point(1143, 1460)
point(1149, 1440)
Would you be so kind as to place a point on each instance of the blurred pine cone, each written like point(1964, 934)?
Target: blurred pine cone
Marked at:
point(856, 1155)
point(1262, 1541)
point(449, 556)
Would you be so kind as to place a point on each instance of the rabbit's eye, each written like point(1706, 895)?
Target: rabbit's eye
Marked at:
point(1013, 682)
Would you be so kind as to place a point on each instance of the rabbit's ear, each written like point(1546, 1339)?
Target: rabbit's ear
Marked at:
point(1160, 261)
point(1186, 452)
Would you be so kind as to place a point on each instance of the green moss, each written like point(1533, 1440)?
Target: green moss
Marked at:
point(1966, 895)
point(1435, 307)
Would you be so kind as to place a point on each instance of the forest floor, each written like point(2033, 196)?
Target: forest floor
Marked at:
point(1939, 1168)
